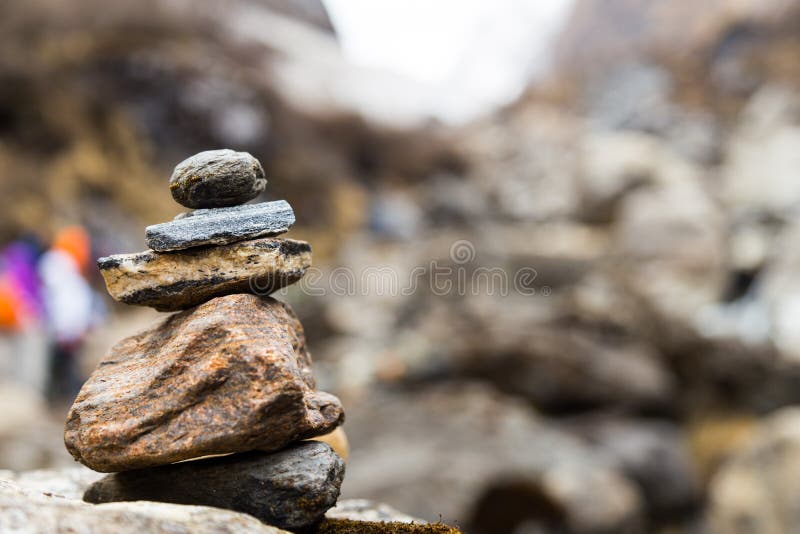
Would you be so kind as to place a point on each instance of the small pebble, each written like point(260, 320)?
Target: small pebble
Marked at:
point(217, 179)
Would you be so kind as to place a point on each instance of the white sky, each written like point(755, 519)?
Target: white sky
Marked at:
point(472, 55)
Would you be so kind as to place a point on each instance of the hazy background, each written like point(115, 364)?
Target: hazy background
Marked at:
point(596, 205)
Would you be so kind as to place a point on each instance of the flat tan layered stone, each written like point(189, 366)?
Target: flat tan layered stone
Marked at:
point(179, 280)
point(231, 375)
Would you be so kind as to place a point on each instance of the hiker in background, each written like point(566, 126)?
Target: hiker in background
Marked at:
point(70, 306)
point(20, 298)
point(23, 352)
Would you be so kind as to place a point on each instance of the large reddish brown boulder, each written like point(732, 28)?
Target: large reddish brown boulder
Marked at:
point(230, 375)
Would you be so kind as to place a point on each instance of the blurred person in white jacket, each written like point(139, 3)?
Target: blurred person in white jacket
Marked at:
point(70, 308)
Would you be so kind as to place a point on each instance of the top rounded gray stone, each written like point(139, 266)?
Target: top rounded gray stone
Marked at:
point(217, 179)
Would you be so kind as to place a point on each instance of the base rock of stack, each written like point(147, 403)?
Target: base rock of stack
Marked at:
point(231, 375)
point(29, 511)
point(290, 489)
point(221, 226)
point(179, 280)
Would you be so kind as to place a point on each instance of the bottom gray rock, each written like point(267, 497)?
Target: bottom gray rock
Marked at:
point(290, 489)
point(27, 511)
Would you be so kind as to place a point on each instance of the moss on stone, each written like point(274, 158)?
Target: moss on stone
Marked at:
point(347, 526)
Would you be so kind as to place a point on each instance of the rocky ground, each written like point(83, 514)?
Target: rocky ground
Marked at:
point(638, 372)
point(51, 501)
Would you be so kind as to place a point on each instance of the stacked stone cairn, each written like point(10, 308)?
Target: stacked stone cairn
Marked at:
point(213, 406)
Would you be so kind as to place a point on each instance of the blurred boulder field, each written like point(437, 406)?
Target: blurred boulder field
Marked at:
point(617, 349)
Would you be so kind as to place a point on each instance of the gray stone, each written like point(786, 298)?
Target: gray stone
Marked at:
point(292, 488)
point(217, 178)
point(179, 280)
point(220, 226)
point(65, 482)
point(26, 511)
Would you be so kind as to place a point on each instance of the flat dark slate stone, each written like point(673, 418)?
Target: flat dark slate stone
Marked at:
point(221, 226)
point(290, 489)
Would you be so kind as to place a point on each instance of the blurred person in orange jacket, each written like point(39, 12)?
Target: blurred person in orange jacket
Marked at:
point(10, 319)
point(70, 306)
point(20, 295)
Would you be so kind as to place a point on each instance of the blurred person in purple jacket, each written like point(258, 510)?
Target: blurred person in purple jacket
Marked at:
point(23, 353)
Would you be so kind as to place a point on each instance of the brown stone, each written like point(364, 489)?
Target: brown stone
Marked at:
point(230, 375)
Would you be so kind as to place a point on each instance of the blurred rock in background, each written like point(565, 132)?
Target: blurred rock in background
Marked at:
point(575, 314)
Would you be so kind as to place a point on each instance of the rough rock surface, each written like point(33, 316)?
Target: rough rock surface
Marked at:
point(29, 511)
point(292, 488)
point(67, 482)
point(68, 485)
point(217, 178)
point(221, 226)
point(231, 375)
point(180, 280)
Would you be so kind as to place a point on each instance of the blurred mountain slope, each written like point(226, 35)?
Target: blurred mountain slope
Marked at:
point(98, 101)
point(718, 51)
